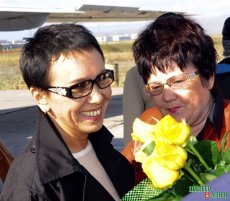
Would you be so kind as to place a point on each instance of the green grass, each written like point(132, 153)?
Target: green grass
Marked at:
point(119, 53)
point(218, 45)
point(10, 76)
point(115, 53)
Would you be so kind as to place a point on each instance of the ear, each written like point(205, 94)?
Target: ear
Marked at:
point(211, 82)
point(40, 98)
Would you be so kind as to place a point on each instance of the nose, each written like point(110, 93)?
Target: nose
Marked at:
point(168, 94)
point(96, 96)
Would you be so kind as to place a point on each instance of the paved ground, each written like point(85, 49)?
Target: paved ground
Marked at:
point(18, 118)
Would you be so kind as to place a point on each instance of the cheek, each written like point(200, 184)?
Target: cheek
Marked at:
point(70, 110)
point(107, 93)
point(157, 100)
point(201, 100)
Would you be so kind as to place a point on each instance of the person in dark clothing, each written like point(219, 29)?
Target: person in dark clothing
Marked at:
point(71, 157)
point(223, 67)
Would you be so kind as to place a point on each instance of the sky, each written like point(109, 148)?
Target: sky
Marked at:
point(209, 13)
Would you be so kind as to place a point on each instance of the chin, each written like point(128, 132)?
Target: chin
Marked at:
point(176, 117)
point(94, 128)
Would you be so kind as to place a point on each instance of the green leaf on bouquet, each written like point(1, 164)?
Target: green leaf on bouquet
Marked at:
point(227, 168)
point(222, 168)
point(226, 156)
point(195, 164)
point(149, 148)
point(208, 150)
point(181, 187)
point(207, 177)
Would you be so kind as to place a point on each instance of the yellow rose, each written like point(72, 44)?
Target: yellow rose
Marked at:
point(170, 131)
point(142, 131)
point(170, 156)
point(140, 156)
point(160, 176)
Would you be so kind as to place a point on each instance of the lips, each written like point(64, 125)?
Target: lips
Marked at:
point(173, 109)
point(92, 113)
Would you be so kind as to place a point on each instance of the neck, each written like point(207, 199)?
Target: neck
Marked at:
point(74, 144)
point(196, 128)
point(74, 141)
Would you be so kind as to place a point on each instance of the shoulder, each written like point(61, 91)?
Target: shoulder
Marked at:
point(226, 60)
point(133, 70)
point(20, 177)
point(24, 161)
point(150, 115)
point(133, 74)
point(222, 68)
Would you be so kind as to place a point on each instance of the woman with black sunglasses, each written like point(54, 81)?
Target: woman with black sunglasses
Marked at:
point(71, 157)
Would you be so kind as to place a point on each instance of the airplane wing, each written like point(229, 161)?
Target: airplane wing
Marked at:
point(16, 21)
point(101, 13)
point(21, 18)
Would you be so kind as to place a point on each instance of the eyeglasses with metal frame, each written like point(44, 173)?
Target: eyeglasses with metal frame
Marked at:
point(175, 82)
point(84, 88)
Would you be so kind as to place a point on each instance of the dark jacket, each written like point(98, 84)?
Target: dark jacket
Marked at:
point(218, 122)
point(223, 77)
point(47, 171)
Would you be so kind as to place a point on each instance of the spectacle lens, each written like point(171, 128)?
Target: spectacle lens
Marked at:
point(178, 81)
point(81, 89)
point(175, 82)
point(84, 88)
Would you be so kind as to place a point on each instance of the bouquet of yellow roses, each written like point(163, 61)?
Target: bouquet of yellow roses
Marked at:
point(173, 160)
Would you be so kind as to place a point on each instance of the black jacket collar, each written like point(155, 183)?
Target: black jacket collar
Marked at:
point(54, 159)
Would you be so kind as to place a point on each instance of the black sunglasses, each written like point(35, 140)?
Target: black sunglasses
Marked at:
point(84, 88)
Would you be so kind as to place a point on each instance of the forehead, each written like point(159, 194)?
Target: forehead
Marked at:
point(76, 66)
point(175, 70)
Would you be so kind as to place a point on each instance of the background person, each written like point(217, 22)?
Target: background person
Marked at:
point(223, 67)
point(71, 157)
point(135, 101)
point(177, 61)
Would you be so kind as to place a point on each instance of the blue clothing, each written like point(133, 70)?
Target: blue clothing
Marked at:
point(222, 68)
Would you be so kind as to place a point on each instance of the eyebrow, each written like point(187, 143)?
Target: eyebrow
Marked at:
point(85, 79)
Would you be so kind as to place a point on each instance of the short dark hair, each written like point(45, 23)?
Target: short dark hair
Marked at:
point(48, 43)
point(174, 38)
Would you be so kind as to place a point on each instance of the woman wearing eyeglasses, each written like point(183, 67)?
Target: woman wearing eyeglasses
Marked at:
point(71, 157)
point(177, 60)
